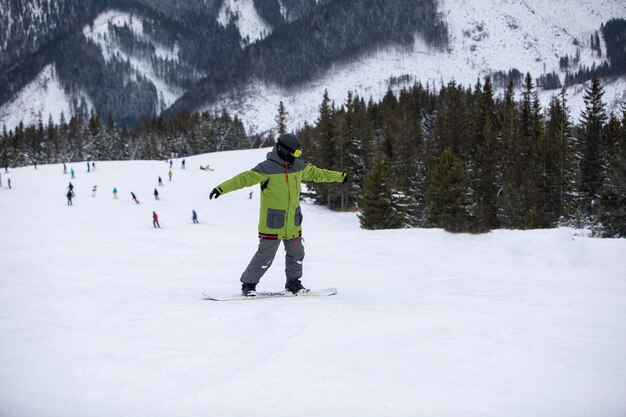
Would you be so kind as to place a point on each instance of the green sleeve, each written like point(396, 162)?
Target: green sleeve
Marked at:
point(245, 179)
point(315, 174)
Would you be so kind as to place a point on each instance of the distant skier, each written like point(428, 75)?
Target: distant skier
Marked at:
point(88, 167)
point(183, 164)
point(64, 168)
point(194, 216)
point(9, 182)
point(72, 172)
point(70, 188)
point(0, 180)
point(93, 190)
point(280, 177)
point(35, 163)
point(93, 166)
point(170, 164)
point(155, 220)
point(250, 196)
point(115, 193)
point(160, 181)
point(170, 174)
point(134, 197)
point(69, 196)
point(156, 194)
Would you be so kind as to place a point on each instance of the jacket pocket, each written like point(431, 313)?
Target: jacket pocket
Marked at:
point(275, 218)
point(298, 216)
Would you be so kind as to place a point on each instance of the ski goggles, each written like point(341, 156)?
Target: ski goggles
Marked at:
point(295, 152)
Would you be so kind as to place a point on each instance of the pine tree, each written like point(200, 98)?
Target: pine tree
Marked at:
point(612, 210)
point(448, 195)
point(324, 152)
point(377, 199)
point(530, 128)
point(407, 162)
point(485, 161)
point(281, 119)
point(557, 181)
point(593, 151)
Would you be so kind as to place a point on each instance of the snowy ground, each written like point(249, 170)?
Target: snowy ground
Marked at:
point(102, 314)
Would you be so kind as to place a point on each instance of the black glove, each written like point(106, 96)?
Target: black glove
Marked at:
point(215, 193)
point(345, 178)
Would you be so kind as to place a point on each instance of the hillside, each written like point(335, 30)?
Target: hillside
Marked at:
point(103, 316)
point(137, 59)
point(482, 39)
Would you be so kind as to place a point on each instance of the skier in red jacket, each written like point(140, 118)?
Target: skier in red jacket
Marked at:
point(155, 220)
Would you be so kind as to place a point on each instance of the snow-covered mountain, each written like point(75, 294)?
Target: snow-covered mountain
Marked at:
point(484, 37)
point(102, 315)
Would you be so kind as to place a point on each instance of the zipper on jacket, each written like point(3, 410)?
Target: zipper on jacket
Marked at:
point(288, 198)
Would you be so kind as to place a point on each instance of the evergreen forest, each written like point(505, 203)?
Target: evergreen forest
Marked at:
point(462, 159)
point(459, 158)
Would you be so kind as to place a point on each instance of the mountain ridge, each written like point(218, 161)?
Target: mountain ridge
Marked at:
point(510, 36)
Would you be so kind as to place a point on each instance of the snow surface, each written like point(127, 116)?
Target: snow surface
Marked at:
point(41, 98)
point(247, 20)
point(102, 314)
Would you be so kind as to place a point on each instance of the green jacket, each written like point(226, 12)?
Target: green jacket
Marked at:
point(280, 216)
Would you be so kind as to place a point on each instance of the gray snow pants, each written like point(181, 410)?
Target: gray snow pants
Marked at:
point(264, 256)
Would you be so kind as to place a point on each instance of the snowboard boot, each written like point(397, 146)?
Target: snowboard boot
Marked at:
point(248, 290)
point(296, 287)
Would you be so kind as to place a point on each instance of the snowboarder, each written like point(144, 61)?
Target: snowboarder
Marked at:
point(134, 197)
point(170, 174)
point(156, 194)
point(160, 181)
point(93, 190)
point(155, 220)
point(194, 216)
point(280, 176)
point(115, 193)
point(69, 196)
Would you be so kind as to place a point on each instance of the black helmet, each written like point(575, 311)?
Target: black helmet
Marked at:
point(288, 147)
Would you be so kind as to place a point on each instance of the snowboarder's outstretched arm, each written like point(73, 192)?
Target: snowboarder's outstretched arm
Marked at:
point(315, 174)
point(245, 179)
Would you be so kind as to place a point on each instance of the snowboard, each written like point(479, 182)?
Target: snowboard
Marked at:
point(261, 295)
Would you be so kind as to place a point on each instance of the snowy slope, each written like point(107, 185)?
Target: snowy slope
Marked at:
point(98, 32)
point(250, 25)
point(42, 98)
point(45, 95)
point(485, 36)
point(102, 314)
